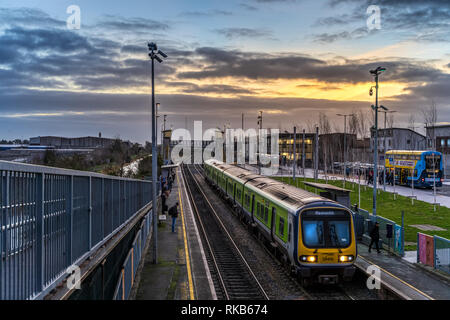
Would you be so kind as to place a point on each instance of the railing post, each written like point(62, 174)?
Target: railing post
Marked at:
point(90, 211)
point(69, 206)
point(40, 259)
point(103, 209)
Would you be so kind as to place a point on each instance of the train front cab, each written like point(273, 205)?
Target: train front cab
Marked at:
point(326, 248)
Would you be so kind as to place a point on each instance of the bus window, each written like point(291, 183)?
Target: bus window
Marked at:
point(429, 162)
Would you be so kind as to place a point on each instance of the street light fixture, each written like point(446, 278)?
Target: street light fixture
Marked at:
point(376, 73)
point(153, 48)
point(345, 141)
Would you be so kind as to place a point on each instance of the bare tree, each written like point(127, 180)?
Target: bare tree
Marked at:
point(324, 124)
point(390, 120)
point(353, 123)
point(430, 118)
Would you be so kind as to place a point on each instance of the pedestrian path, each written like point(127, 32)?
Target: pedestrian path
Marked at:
point(425, 195)
point(168, 279)
point(182, 271)
point(403, 276)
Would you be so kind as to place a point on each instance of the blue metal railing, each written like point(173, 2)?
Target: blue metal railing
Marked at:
point(53, 218)
point(396, 243)
point(134, 257)
point(441, 254)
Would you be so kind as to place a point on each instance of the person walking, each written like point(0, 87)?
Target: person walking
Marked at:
point(173, 212)
point(375, 237)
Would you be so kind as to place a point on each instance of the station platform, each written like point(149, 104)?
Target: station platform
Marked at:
point(182, 270)
point(403, 278)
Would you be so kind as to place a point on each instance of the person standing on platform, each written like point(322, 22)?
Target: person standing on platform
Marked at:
point(173, 212)
point(375, 237)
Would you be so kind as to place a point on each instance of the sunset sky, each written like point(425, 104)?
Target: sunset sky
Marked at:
point(290, 58)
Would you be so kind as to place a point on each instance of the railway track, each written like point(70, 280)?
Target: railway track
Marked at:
point(232, 276)
point(316, 292)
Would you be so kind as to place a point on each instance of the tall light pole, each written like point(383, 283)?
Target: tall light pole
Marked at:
point(154, 52)
point(162, 138)
point(260, 119)
point(385, 110)
point(345, 142)
point(295, 153)
point(158, 105)
point(375, 73)
point(303, 155)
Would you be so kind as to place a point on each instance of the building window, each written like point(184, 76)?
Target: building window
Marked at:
point(442, 142)
point(448, 142)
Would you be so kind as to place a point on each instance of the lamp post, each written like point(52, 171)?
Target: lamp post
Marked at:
point(345, 142)
point(154, 52)
point(158, 105)
point(259, 140)
point(375, 73)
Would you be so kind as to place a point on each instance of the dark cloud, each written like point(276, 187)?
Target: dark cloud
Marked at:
point(64, 41)
point(419, 20)
point(232, 33)
point(223, 63)
point(28, 17)
point(209, 13)
point(248, 7)
point(132, 24)
point(358, 33)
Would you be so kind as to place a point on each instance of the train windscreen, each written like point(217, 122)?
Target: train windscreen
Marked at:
point(326, 229)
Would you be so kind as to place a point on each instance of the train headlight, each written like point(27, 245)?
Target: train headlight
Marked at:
point(308, 259)
point(345, 258)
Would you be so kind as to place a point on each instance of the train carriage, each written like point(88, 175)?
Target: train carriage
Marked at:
point(313, 235)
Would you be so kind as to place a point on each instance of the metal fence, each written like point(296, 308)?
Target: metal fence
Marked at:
point(52, 218)
point(442, 254)
point(129, 268)
point(396, 242)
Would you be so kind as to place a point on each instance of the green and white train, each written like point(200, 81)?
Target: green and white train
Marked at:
point(313, 236)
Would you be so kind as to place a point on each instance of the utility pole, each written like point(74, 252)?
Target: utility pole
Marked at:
point(259, 141)
point(303, 155)
point(154, 55)
point(376, 73)
point(295, 153)
point(316, 156)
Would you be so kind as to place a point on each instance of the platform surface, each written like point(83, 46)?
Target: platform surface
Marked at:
point(403, 277)
point(181, 272)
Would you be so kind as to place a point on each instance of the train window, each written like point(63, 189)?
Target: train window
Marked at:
point(266, 214)
point(339, 233)
point(281, 227)
point(257, 209)
point(313, 233)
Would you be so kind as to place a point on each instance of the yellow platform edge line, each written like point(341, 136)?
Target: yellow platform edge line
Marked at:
point(186, 248)
point(404, 282)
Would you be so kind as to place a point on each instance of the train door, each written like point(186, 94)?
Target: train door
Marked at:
point(253, 208)
point(234, 192)
point(272, 223)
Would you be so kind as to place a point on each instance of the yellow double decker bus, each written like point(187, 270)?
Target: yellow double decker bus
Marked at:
point(423, 168)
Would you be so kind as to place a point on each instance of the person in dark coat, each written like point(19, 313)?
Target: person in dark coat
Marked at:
point(375, 237)
point(173, 212)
